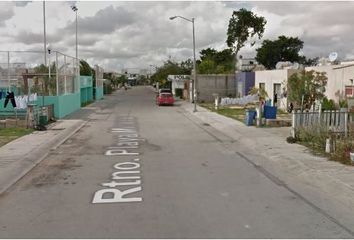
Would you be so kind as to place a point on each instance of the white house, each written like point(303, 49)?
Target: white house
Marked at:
point(340, 80)
point(275, 82)
point(177, 82)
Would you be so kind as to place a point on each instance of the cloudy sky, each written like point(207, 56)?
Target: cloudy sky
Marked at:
point(132, 34)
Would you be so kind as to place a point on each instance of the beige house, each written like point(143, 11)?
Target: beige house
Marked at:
point(340, 80)
point(339, 84)
point(274, 82)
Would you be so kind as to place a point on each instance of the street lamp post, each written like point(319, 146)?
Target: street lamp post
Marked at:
point(194, 87)
point(74, 8)
point(44, 36)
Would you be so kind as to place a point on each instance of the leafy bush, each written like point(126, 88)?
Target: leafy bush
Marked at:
point(85, 69)
point(343, 103)
point(328, 104)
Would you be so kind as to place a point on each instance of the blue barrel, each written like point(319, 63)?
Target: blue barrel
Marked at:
point(250, 116)
point(270, 112)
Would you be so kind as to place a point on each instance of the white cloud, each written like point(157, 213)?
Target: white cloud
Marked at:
point(137, 34)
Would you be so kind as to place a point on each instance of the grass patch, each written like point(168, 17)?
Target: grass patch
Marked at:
point(234, 113)
point(315, 139)
point(9, 134)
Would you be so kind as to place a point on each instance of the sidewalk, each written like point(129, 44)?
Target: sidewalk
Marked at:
point(21, 155)
point(291, 163)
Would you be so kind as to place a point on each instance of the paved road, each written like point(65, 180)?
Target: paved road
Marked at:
point(192, 184)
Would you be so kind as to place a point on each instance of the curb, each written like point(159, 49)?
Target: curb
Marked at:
point(33, 164)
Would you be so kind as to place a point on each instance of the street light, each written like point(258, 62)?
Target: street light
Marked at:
point(74, 8)
point(44, 35)
point(194, 89)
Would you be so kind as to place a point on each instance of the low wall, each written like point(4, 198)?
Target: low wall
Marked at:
point(63, 105)
point(222, 84)
point(86, 89)
point(86, 94)
point(98, 93)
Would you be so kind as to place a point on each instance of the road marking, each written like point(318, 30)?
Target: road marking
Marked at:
point(128, 174)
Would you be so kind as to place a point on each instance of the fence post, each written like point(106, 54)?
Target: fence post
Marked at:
point(8, 70)
point(293, 124)
point(57, 74)
point(346, 123)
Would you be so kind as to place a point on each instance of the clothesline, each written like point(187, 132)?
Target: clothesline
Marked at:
point(22, 101)
point(18, 102)
point(239, 101)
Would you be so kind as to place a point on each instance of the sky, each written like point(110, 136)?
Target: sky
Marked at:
point(118, 34)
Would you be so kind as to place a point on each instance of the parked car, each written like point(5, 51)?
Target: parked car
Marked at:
point(165, 99)
point(165, 90)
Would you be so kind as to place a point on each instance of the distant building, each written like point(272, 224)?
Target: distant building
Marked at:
point(245, 64)
point(178, 83)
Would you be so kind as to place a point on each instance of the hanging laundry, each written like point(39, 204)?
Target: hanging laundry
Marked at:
point(33, 97)
point(10, 97)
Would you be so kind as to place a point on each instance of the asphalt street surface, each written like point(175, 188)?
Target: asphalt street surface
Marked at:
point(179, 179)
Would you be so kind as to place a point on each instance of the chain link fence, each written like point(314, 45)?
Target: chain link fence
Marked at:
point(25, 73)
point(99, 76)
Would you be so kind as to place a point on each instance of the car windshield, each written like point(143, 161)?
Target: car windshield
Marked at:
point(166, 95)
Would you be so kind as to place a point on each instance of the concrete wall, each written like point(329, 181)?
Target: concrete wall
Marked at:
point(338, 77)
point(271, 77)
point(207, 84)
point(86, 89)
point(98, 93)
point(63, 105)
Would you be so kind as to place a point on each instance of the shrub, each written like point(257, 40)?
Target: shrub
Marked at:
point(342, 151)
point(314, 137)
point(343, 103)
point(328, 104)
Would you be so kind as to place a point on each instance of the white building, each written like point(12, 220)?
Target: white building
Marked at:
point(245, 64)
point(340, 80)
point(177, 82)
point(275, 81)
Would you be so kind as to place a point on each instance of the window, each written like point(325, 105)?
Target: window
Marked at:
point(349, 91)
point(261, 85)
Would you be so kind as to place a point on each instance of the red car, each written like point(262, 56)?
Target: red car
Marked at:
point(165, 99)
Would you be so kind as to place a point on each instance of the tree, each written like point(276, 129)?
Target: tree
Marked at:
point(282, 49)
point(142, 80)
point(310, 61)
point(310, 85)
point(261, 92)
point(208, 53)
point(207, 66)
point(186, 67)
point(217, 62)
point(171, 68)
point(85, 69)
point(42, 83)
point(122, 79)
point(243, 25)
